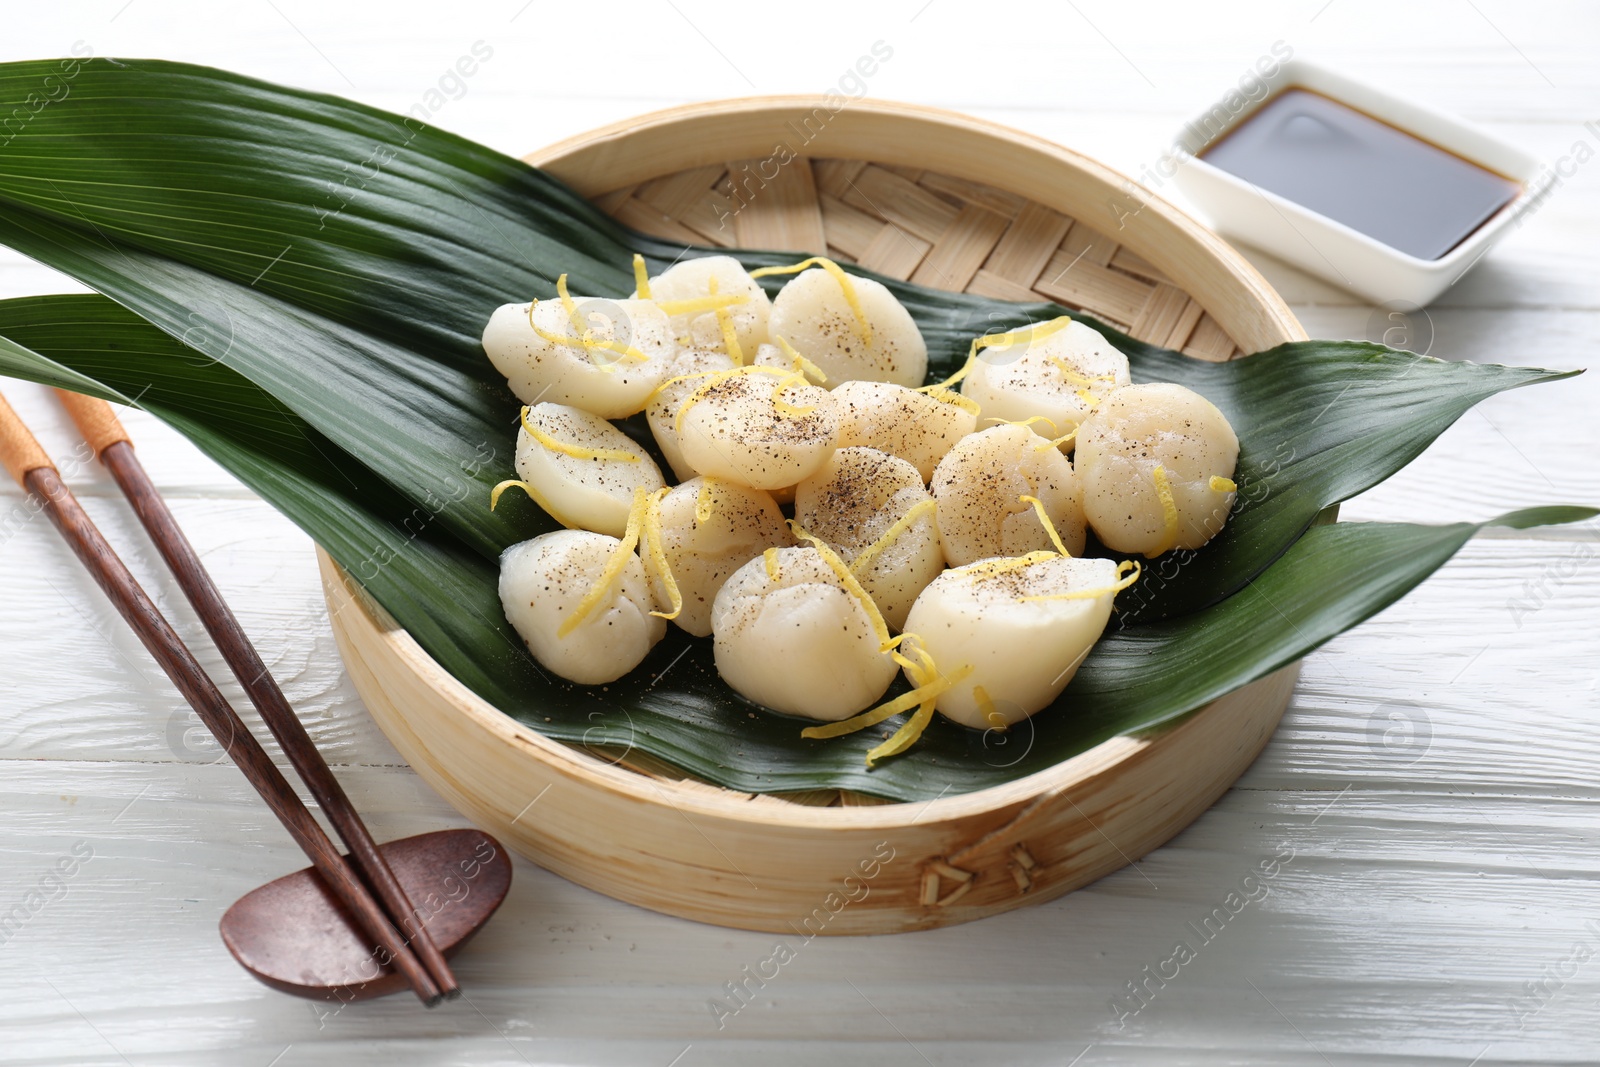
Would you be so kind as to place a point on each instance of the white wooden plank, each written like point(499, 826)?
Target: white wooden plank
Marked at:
point(1157, 56)
point(82, 686)
point(1486, 677)
point(1384, 929)
point(1520, 448)
point(177, 467)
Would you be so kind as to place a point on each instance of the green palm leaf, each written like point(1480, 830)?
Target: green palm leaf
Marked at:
point(673, 706)
point(317, 274)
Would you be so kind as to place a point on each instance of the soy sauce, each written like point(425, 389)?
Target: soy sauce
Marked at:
point(1373, 177)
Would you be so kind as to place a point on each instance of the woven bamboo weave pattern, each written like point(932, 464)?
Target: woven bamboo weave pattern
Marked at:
point(927, 228)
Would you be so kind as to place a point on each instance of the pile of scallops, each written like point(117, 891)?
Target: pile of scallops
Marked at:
point(937, 531)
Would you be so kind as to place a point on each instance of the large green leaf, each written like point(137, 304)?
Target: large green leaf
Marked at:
point(674, 707)
point(345, 260)
point(399, 554)
point(318, 273)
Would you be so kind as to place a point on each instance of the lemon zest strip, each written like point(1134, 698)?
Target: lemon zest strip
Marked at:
point(1219, 484)
point(990, 713)
point(853, 587)
point(918, 672)
point(950, 396)
point(769, 559)
point(904, 737)
point(1169, 509)
point(1029, 421)
point(567, 304)
point(1073, 377)
point(570, 308)
point(555, 444)
point(656, 554)
point(700, 304)
point(1128, 572)
point(703, 502)
point(846, 284)
point(613, 568)
point(714, 379)
point(782, 406)
point(658, 390)
point(864, 560)
point(586, 341)
point(730, 337)
point(1057, 442)
point(888, 709)
point(929, 683)
point(799, 362)
point(1084, 381)
point(1044, 518)
point(537, 497)
point(1025, 334)
point(908, 734)
point(641, 278)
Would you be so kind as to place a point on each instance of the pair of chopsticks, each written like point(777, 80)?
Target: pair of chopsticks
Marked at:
point(412, 951)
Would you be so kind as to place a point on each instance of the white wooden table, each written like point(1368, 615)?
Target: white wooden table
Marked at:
point(1437, 776)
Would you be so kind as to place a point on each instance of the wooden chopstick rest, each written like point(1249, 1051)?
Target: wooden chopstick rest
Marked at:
point(31, 466)
point(100, 427)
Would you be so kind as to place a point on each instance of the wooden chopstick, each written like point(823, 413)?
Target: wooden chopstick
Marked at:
point(28, 463)
point(104, 432)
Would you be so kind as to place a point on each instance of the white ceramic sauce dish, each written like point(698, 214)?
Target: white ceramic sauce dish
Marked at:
point(1428, 259)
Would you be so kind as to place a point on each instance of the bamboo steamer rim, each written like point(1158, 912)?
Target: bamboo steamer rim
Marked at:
point(639, 149)
point(702, 798)
point(951, 143)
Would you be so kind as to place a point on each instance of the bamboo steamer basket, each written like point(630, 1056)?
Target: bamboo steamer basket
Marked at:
point(944, 200)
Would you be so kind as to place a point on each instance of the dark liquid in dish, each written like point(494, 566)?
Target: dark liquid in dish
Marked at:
point(1373, 177)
